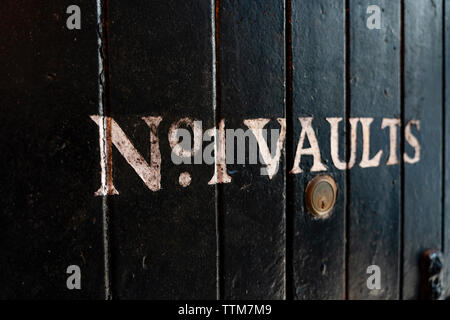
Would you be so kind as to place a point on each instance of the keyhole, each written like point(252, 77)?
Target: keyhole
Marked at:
point(322, 203)
point(320, 196)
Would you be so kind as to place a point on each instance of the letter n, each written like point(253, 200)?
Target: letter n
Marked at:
point(110, 133)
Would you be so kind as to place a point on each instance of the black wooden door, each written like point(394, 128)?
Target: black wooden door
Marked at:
point(101, 198)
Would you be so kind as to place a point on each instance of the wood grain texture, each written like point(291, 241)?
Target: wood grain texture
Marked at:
point(423, 101)
point(49, 161)
point(374, 204)
point(164, 242)
point(252, 73)
point(318, 90)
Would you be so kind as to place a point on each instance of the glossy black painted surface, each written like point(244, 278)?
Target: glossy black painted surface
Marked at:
point(251, 238)
point(164, 242)
point(423, 100)
point(318, 91)
point(374, 195)
point(49, 217)
point(252, 76)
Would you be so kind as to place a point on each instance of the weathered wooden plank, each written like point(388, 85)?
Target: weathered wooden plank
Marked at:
point(446, 116)
point(252, 73)
point(423, 101)
point(374, 197)
point(50, 218)
point(164, 242)
point(318, 90)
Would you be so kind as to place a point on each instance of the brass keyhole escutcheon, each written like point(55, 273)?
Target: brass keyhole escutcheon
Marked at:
point(320, 196)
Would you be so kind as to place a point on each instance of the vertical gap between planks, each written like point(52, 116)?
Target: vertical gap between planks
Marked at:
point(104, 111)
point(347, 145)
point(216, 100)
point(290, 212)
point(444, 97)
point(402, 148)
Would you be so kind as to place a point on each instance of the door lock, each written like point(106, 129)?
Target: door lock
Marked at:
point(320, 196)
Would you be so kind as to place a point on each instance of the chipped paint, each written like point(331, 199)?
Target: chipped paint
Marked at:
point(334, 143)
point(313, 150)
point(220, 172)
point(412, 140)
point(256, 126)
point(150, 173)
point(366, 162)
point(392, 124)
point(185, 179)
